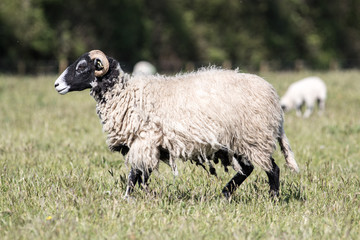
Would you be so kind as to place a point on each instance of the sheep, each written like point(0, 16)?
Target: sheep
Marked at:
point(306, 92)
point(204, 116)
point(144, 68)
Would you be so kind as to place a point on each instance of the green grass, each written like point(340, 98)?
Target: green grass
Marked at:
point(55, 180)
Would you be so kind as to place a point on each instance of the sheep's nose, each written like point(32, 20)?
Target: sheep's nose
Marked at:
point(56, 84)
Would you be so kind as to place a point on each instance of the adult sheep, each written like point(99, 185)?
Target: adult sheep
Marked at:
point(308, 92)
point(201, 116)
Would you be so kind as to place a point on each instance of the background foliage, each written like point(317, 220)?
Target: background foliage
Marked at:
point(174, 34)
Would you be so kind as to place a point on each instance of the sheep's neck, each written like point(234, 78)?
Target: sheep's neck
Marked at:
point(112, 108)
point(104, 94)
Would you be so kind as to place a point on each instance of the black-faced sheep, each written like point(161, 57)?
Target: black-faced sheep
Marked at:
point(308, 92)
point(203, 116)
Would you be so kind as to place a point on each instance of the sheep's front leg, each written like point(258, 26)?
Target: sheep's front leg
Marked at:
point(143, 157)
point(143, 179)
point(137, 176)
point(298, 111)
point(237, 180)
point(308, 111)
point(274, 182)
point(134, 177)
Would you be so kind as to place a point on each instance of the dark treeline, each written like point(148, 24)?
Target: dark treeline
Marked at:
point(44, 35)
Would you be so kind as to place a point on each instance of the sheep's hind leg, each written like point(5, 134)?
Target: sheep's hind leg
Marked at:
point(237, 180)
point(274, 181)
point(321, 105)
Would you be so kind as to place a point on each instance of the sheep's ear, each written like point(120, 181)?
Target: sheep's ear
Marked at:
point(98, 65)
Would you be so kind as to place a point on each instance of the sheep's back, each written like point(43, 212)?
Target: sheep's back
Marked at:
point(309, 89)
point(209, 109)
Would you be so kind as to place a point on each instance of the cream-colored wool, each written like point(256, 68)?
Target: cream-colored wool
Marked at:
point(193, 115)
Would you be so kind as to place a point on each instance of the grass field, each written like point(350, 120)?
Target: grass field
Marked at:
point(58, 180)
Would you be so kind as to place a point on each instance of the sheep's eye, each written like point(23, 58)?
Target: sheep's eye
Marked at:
point(81, 68)
point(98, 65)
point(82, 65)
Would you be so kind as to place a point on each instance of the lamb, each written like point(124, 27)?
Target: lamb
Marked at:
point(306, 92)
point(144, 68)
point(203, 117)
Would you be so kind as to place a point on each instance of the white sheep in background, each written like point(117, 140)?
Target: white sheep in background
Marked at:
point(206, 115)
point(306, 91)
point(144, 68)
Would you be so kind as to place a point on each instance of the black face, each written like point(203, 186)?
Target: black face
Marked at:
point(82, 75)
point(78, 76)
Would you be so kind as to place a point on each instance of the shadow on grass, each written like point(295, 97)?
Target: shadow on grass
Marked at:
point(250, 195)
point(254, 190)
point(259, 190)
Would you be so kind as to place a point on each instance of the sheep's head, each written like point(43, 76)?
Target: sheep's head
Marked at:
point(286, 104)
point(83, 73)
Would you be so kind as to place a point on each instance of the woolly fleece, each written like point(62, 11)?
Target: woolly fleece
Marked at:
point(193, 115)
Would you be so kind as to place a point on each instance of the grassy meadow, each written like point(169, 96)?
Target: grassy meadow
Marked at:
point(58, 180)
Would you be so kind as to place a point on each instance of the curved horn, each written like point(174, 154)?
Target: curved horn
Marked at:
point(97, 54)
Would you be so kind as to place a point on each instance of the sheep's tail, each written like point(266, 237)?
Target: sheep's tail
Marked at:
point(286, 150)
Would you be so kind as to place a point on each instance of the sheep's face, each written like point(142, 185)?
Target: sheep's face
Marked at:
point(83, 73)
point(286, 104)
point(78, 76)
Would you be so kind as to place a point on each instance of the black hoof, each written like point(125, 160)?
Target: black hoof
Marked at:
point(274, 194)
point(226, 194)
